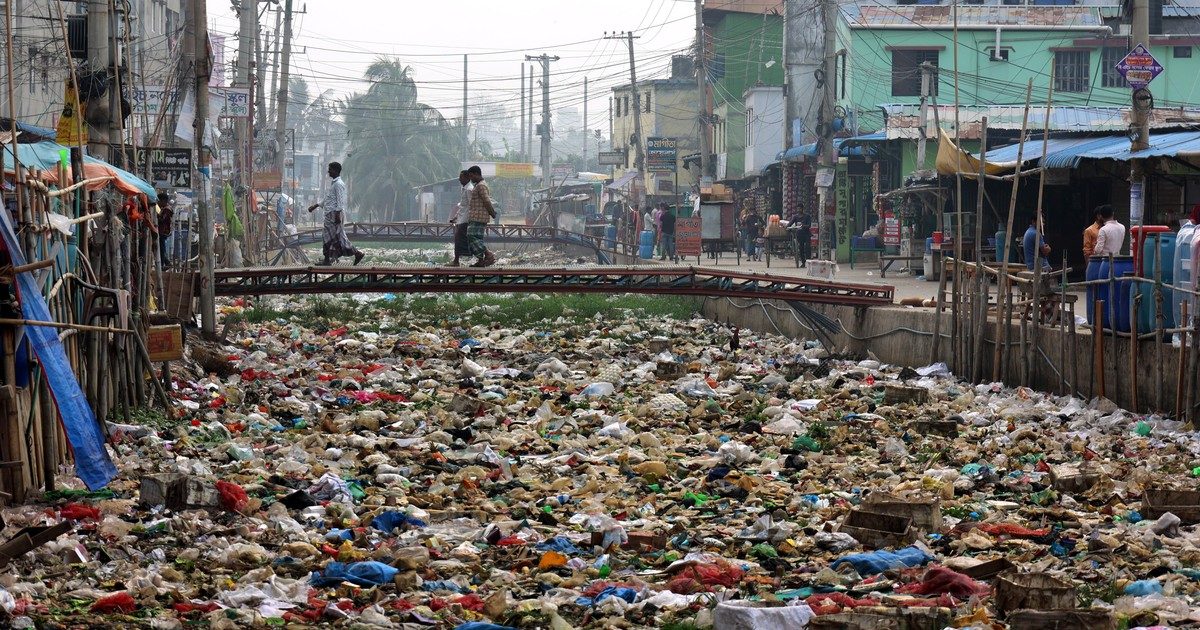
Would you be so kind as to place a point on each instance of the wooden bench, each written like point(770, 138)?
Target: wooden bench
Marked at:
point(855, 250)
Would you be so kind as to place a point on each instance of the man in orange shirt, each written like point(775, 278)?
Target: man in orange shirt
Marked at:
point(1090, 234)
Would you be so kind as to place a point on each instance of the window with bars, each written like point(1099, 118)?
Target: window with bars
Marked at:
point(1071, 70)
point(906, 71)
point(1109, 58)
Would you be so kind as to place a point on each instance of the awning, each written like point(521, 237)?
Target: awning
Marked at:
point(845, 147)
point(1069, 152)
point(44, 156)
point(951, 160)
point(623, 180)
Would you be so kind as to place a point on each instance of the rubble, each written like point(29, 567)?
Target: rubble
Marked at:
point(453, 463)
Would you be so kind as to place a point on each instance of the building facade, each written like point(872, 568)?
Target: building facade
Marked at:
point(667, 109)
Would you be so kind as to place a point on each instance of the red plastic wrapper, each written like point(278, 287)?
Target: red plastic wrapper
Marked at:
point(471, 602)
point(117, 602)
point(943, 580)
point(185, 608)
point(79, 512)
point(831, 603)
point(1013, 530)
point(697, 578)
point(233, 497)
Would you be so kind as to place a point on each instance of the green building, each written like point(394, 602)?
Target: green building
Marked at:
point(744, 49)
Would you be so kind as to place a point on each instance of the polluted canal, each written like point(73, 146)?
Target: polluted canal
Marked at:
point(482, 462)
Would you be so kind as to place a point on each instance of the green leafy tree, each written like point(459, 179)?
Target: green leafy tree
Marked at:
point(395, 142)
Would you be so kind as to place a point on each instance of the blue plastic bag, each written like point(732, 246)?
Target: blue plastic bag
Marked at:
point(622, 592)
point(481, 625)
point(368, 573)
point(1142, 588)
point(442, 585)
point(387, 521)
point(560, 544)
point(875, 562)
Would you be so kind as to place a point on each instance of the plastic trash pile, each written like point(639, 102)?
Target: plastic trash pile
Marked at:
point(630, 471)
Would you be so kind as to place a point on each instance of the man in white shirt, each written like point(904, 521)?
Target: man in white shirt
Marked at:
point(458, 218)
point(336, 243)
point(1112, 233)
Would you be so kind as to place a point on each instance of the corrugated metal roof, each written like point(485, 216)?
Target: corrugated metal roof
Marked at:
point(845, 147)
point(1069, 152)
point(903, 120)
point(866, 15)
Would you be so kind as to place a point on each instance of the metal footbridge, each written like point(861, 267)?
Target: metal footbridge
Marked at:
point(650, 279)
point(444, 232)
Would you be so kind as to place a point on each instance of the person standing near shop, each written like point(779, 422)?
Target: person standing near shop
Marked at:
point(336, 243)
point(668, 235)
point(481, 209)
point(166, 213)
point(804, 236)
point(1112, 234)
point(1090, 234)
point(1029, 245)
point(458, 218)
point(752, 226)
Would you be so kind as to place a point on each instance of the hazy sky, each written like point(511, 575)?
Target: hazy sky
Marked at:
point(337, 39)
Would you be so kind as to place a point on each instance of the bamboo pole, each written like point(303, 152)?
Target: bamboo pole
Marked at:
point(1006, 283)
point(1158, 320)
point(1098, 354)
point(979, 313)
point(1062, 331)
point(1194, 358)
point(1183, 352)
point(1133, 352)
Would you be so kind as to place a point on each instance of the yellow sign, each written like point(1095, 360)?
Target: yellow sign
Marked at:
point(513, 170)
point(72, 128)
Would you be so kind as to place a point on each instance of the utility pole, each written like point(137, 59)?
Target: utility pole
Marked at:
point(281, 97)
point(639, 161)
point(260, 80)
point(99, 26)
point(547, 176)
point(828, 160)
point(922, 134)
point(201, 68)
point(1140, 136)
point(466, 133)
point(702, 89)
point(585, 125)
point(521, 155)
point(272, 117)
point(529, 123)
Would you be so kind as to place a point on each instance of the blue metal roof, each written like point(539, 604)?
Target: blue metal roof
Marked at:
point(1069, 152)
point(846, 147)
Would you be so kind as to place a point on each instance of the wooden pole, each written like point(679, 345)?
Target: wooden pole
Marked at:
point(1098, 353)
point(1158, 321)
point(979, 313)
point(1062, 331)
point(1183, 352)
point(1133, 352)
point(1041, 227)
point(1005, 283)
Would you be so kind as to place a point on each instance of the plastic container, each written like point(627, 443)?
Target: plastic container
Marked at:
point(937, 238)
point(1093, 273)
point(1137, 234)
point(610, 236)
point(1001, 245)
point(1121, 266)
point(1152, 258)
point(646, 245)
point(1182, 271)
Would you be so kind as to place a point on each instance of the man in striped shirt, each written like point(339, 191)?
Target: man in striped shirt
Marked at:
point(482, 210)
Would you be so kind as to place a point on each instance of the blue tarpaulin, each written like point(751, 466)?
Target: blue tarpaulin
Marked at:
point(92, 464)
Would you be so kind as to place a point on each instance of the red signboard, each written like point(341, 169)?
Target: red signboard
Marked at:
point(687, 236)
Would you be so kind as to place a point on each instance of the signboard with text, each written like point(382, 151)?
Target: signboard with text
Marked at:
point(660, 155)
point(687, 236)
point(891, 228)
point(235, 101)
point(152, 99)
point(170, 168)
point(1139, 67)
point(612, 158)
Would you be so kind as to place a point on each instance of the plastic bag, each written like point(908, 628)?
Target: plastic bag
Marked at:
point(367, 573)
point(874, 562)
point(599, 390)
point(938, 580)
point(233, 497)
point(740, 614)
point(116, 603)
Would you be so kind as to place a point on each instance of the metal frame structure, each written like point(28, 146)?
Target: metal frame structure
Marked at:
point(425, 232)
point(657, 280)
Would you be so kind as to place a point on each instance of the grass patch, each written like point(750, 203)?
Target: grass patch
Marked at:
point(481, 309)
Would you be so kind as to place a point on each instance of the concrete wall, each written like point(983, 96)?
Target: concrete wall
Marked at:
point(903, 336)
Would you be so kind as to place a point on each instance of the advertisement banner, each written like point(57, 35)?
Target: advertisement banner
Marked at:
point(660, 155)
point(72, 128)
point(687, 236)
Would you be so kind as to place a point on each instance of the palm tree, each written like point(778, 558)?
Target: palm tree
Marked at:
point(394, 141)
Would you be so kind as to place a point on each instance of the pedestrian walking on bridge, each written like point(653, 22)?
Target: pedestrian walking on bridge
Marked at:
point(481, 210)
point(335, 242)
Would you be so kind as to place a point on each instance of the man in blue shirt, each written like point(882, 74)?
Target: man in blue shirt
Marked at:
point(1030, 244)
